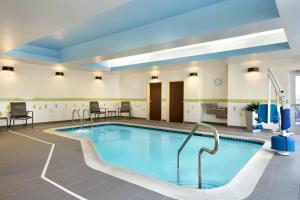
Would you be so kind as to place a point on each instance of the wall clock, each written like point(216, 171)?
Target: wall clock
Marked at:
point(218, 81)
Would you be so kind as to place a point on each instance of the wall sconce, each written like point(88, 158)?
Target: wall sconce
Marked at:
point(7, 68)
point(154, 77)
point(253, 69)
point(193, 74)
point(98, 77)
point(59, 74)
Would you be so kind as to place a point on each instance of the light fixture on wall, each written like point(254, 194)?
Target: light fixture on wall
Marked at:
point(7, 68)
point(59, 74)
point(98, 77)
point(253, 69)
point(154, 77)
point(193, 74)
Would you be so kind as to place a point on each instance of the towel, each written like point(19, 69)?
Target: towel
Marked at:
point(262, 112)
point(285, 119)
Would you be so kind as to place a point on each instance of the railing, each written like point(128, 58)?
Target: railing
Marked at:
point(181, 147)
point(83, 117)
point(203, 149)
point(78, 114)
point(280, 96)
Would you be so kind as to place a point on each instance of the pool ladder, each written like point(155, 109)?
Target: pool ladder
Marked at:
point(78, 114)
point(203, 149)
point(90, 117)
point(76, 111)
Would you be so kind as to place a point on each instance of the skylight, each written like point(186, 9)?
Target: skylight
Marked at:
point(234, 43)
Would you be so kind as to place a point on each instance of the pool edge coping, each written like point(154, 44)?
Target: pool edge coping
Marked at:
point(239, 187)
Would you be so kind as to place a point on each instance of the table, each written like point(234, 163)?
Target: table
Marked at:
point(111, 113)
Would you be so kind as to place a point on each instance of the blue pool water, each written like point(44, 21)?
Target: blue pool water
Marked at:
point(154, 153)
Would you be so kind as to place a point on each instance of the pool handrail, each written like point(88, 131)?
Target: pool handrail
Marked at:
point(73, 117)
point(182, 146)
point(210, 151)
point(203, 149)
point(90, 117)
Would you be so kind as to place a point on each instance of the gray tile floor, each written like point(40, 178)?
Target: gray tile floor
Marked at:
point(22, 161)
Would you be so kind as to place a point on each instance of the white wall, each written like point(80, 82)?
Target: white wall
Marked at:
point(239, 87)
point(243, 86)
point(53, 98)
point(60, 95)
point(134, 83)
point(134, 86)
point(30, 80)
point(212, 92)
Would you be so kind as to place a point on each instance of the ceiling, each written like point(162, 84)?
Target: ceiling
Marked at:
point(25, 21)
point(122, 18)
point(94, 34)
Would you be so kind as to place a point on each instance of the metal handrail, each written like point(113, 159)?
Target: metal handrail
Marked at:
point(276, 83)
point(181, 147)
point(73, 113)
point(203, 149)
point(83, 116)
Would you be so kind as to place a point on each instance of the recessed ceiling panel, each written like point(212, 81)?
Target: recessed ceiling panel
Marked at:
point(127, 16)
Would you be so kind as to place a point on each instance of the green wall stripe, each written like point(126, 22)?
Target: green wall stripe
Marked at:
point(228, 100)
point(71, 99)
point(250, 100)
point(137, 99)
point(206, 100)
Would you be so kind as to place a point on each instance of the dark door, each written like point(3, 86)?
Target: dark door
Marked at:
point(155, 101)
point(176, 101)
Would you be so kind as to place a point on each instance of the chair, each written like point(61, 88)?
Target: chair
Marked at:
point(96, 110)
point(18, 111)
point(4, 118)
point(125, 108)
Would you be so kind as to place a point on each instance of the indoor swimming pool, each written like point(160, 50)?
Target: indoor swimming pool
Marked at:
point(153, 152)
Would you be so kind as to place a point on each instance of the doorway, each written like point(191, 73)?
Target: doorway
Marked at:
point(295, 101)
point(155, 101)
point(176, 101)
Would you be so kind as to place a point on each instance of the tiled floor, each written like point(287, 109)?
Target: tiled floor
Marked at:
point(22, 160)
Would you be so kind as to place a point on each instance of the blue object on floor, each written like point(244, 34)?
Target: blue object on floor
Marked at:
point(285, 119)
point(262, 112)
point(283, 143)
point(258, 126)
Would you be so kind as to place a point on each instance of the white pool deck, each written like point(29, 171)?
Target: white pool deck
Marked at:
point(239, 187)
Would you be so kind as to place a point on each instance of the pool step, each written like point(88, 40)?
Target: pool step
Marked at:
point(206, 184)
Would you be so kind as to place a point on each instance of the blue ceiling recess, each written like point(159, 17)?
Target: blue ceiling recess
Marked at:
point(32, 52)
point(127, 16)
point(143, 23)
